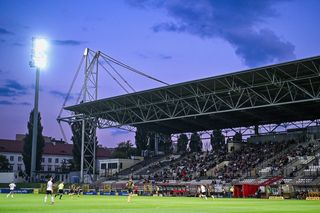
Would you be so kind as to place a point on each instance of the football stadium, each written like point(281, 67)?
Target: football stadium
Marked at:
point(246, 140)
point(270, 161)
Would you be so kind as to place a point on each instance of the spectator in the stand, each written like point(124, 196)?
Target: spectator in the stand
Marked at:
point(242, 162)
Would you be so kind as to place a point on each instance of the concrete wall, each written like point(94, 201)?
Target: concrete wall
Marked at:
point(7, 177)
point(126, 163)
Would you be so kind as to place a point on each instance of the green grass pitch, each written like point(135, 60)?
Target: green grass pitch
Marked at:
point(86, 204)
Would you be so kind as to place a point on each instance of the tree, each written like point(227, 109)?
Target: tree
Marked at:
point(27, 147)
point(237, 137)
point(182, 143)
point(4, 163)
point(151, 141)
point(217, 139)
point(195, 142)
point(66, 165)
point(124, 150)
point(141, 139)
point(70, 165)
point(167, 144)
point(76, 128)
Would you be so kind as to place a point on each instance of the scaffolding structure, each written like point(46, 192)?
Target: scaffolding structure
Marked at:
point(93, 63)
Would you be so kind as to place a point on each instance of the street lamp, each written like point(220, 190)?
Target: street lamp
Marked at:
point(38, 61)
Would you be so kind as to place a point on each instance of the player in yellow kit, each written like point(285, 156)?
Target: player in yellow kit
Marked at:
point(130, 186)
point(60, 190)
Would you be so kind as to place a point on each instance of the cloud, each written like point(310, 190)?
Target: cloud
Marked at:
point(12, 88)
point(115, 132)
point(9, 103)
point(261, 47)
point(6, 102)
point(165, 57)
point(17, 44)
point(237, 22)
point(5, 32)
point(152, 55)
point(59, 94)
point(68, 42)
point(144, 56)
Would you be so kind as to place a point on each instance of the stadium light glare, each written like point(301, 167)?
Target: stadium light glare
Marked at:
point(39, 53)
point(39, 61)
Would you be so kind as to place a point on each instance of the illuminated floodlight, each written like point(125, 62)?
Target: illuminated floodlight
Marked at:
point(39, 53)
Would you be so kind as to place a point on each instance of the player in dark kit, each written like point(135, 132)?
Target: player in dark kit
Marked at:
point(130, 186)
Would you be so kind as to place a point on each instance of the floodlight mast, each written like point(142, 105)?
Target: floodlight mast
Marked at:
point(94, 62)
point(38, 61)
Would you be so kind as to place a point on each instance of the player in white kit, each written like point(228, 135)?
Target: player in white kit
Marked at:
point(203, 192)
point(49, 191)
point(11, 186)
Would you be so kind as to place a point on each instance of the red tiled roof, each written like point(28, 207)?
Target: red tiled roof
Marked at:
point(11, 146)
point(103, 152)
point(49, 148)
point(57, 149)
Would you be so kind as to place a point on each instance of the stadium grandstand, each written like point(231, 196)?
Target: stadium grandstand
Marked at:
point(277, 104)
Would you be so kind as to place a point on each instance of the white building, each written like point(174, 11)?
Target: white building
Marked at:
point(55, 154)
point(112, 166)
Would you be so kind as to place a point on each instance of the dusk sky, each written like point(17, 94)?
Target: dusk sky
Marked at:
point(172, 40)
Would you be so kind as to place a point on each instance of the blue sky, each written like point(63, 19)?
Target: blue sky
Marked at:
point(175, 41)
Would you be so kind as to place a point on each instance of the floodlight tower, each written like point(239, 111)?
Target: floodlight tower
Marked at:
point(38, 61)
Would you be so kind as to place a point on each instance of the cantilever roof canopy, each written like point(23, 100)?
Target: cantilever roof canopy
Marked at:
point(273, 94)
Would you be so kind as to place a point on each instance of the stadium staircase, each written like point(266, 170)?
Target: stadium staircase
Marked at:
point(265, 163)
point(300, 175)
point(316, 181)
point(165, 165)
point(141, 165)
point(149, 167)
point(284, 170)
point(305, 164)
point(297, 161)
point(217, 167)
point(271, 181)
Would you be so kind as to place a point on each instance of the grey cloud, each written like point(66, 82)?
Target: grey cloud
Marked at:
point(12, 88)
point(168, 27)
point(17, 44)
point(9, 103)
point(4, 31)
point(261, 47)
point(235, 21)
point(68, 42)
point(151, 55)
point(59, 94)
point(142, 55)
point(118, 132)
point(6, 102)
point(165, 57)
